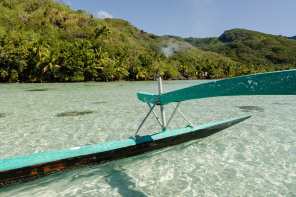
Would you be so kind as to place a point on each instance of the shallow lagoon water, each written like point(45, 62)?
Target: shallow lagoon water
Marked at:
point(254, 158)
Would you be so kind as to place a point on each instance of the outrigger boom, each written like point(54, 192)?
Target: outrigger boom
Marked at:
point(273, 83)
point(30, 167)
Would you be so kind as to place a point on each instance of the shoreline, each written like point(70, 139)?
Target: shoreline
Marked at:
point(176, 79)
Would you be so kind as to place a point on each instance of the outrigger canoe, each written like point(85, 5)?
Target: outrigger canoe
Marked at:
point(33, 166)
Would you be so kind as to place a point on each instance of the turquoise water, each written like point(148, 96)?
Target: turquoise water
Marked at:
point(254, 158)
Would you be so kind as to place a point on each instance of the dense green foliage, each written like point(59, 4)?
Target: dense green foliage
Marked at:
point(43, 40)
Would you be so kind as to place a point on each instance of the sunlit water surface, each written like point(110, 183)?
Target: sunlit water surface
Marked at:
point(254, 158)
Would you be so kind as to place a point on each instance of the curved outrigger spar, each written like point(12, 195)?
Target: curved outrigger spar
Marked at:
point(30, 167)
point(273, 83)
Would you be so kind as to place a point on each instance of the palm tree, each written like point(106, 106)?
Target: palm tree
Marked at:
point(82, 44)
point(48, 67)
point(40, 49)
point(102, 33)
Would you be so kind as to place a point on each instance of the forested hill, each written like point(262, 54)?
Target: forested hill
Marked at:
point(251, 47)
point(45, 41)
point(293, 37)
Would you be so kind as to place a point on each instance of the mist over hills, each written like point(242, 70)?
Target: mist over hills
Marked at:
point(45, 41)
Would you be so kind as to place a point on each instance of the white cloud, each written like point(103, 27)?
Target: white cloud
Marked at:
point(103, 14)
point(68, 2)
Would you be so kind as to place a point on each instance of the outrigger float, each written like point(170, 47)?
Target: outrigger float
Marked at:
point(30, 167)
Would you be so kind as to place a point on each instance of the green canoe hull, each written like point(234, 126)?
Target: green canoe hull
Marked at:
point(33, 166)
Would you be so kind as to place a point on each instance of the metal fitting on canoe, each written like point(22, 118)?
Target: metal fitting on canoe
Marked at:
point(157, 101)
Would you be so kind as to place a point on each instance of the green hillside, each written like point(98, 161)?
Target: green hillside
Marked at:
point(251, 47)
point(293, 37)
point(45, 41)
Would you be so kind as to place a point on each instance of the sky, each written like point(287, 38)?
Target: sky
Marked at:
point(197, 18)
